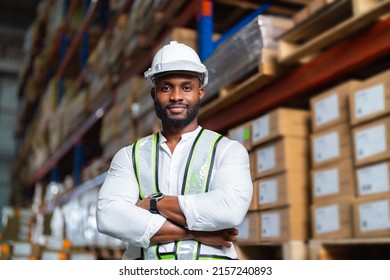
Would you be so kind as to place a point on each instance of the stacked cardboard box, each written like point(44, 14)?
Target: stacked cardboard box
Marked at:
point(332, 180)
point(370, 118)
point(279, 165)
point(118, 125)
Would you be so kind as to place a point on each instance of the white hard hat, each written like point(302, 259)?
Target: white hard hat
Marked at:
point(177, 58)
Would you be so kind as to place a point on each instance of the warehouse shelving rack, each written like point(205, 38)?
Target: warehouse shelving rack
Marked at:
point(335, 64)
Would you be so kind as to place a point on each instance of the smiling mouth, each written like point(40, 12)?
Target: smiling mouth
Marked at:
point(177, 109)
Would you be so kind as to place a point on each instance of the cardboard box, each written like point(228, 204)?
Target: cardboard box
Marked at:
point(370, 99)
point(287, 153)
point(372, 142)
point(284, 189)
point(280, 122)
point(373, 179)
point(372, 216)
point(332, 219)
point(284, 224)
point(253, 205)
point(242, 134)
point(331, 145)
point(54, 255)
point(248, 230)
point(331, 107)
point(333, 181)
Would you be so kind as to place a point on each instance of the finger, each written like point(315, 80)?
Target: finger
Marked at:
point(227, 244)
point(233, 231)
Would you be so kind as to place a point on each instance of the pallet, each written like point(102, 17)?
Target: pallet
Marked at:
point(267, 71)
point(291, 250)
point(328, 26)
point(350, 249)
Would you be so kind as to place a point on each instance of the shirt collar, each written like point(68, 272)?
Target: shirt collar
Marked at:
point(184, 137)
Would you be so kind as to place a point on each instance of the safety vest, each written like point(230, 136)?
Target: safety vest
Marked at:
point(196, 180)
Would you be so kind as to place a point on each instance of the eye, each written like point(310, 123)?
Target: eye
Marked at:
point(165, 88)
point(187, 88)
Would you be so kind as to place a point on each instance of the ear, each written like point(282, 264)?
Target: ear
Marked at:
point(201, 92)
point(153, 92)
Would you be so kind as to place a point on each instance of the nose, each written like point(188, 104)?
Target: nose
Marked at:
point(176, 94)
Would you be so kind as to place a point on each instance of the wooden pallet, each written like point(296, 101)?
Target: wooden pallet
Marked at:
point(267, 71)
point(291, 250)
point(329, 25)
point(350, 249)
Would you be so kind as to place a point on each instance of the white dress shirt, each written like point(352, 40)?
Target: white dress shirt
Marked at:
point(223, 206)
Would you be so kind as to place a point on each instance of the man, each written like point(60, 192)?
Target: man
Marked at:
point(179, 193)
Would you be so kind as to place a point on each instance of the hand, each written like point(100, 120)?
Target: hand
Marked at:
point(144, 203)
point(223, 237)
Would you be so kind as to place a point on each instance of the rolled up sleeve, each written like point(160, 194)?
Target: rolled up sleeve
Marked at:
point(117, 213)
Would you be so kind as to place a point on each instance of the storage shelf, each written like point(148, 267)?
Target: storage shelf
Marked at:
point(77, 39)
point(336, 63)
point(79, 190)
point(72, 140)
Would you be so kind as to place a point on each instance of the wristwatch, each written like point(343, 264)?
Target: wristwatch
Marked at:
point(153, 201)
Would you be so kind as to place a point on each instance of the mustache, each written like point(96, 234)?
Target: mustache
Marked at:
point(176, 104)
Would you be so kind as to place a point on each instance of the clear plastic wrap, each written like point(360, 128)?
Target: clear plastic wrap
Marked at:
point(238, 56)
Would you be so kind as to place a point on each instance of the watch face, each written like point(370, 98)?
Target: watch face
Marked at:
point(156, 195)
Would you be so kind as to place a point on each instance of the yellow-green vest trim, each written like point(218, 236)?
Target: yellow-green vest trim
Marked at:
point(196, 180)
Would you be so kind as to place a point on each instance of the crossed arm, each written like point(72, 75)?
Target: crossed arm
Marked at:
point(174, 227)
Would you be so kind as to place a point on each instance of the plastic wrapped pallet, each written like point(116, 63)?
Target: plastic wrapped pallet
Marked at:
point(238, 56)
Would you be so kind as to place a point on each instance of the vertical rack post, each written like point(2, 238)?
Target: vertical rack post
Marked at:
point(64, 44)
point(84, 39)
point(78, 161)
point(205, 28)
point(54, 174)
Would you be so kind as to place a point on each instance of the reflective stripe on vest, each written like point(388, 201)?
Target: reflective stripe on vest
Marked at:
point(146, 167)
point(196, 180)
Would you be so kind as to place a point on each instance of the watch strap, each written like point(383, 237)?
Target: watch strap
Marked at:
point(153, 206)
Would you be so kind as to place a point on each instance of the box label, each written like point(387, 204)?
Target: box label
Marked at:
point(369, 101)
point(268, 191)
point(270, 225)
point(373, 179)
point(370, 141)
point(22, 248)
point(243, 229)
point(260, 128)
point(326, 147)
point(266, 159)
point(327, 219)
point(326, 182)
point(327, 109)
point(374, 216)
point(238, 135)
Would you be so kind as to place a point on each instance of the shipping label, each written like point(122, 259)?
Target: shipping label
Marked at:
point(270, 224)
point(268, 191)
point(260, 128)
point(238, 135)
point(326, 147)
point(370, 141)
point(373, 179)
point(369, 101)
point(266, 159)
point(327, 109)
point(374, 216)
point(326, 182)
point(327, 219)
point(243, 229)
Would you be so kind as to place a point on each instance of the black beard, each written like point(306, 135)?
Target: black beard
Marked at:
point(162, 114)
